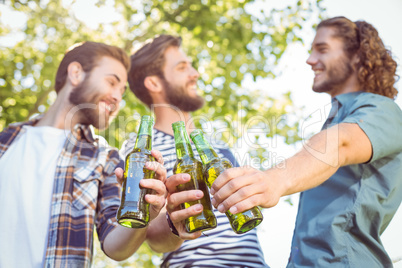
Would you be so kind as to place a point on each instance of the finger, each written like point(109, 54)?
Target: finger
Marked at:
point(189, 236)
point(246, 204)
point(156, 185)
point(175, 199)
point(119, 175)
point(158, 156)
point(156, 200)
point(160, 171)
point(226, 176)
point(230, 189)
point(182, 214)
point(245, 194)
point(173, 181)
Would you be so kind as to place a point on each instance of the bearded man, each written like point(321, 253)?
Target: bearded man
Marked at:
point(162, 77)
point(57, 178)
point(350, 173)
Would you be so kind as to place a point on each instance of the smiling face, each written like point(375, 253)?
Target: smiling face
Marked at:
point(333, 70)
point(180, 81)
point(99, 95)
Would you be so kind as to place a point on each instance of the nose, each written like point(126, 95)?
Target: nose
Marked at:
point(312, 59)
point(117, 96)
point(194, 73)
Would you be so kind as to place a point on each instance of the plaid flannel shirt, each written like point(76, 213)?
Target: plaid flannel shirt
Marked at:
point(85, 193)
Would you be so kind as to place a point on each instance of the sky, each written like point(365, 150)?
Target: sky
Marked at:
point(276, 230)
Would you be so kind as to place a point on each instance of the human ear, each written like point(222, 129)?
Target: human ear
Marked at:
point(153, 84)
point(75, 73)
point(355, 59)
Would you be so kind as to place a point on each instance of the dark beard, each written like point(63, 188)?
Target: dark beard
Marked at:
point(87, 104)
point(179, 98)
point(337, 75)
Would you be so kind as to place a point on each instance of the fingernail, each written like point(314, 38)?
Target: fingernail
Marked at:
point(221, 209)
point(198, 207)
point(199, 194)
point(213, 201)
point(233, 210)
point(212, 191)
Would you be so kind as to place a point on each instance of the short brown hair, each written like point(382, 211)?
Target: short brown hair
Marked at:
point(376, 68)
point(88, 55)
point(149, 60)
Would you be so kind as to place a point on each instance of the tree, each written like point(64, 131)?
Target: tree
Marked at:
point(231, 41)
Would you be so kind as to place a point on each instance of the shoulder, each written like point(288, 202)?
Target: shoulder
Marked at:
point(10, 132)
point(366, 99)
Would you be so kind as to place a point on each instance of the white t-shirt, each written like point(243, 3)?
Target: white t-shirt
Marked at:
point(27, 172)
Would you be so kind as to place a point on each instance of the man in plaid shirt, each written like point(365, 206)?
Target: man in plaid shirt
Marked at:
point(57, 178)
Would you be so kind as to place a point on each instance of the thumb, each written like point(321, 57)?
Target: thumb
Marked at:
point(119, 175)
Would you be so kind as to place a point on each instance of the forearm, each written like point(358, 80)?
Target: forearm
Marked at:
point(123, 242)
point(159, 237)
point(305, 170)
point(322, 155)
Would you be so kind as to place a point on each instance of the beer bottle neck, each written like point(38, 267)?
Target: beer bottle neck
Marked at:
point(144, 137)
point(205, 150)
point(182, 143)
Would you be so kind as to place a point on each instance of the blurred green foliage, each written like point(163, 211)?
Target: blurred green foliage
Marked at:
point(229, 40)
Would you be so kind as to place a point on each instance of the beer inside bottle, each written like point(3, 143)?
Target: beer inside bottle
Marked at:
point(186, 163)
point(213, 167)
point(134, 210)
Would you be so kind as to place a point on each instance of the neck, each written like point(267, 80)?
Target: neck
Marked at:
point(165, 116)
point(350, 85)
point(60, 113)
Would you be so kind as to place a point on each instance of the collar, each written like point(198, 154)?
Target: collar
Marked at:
point(85, 131)
point(343, 99)
point(79, 131)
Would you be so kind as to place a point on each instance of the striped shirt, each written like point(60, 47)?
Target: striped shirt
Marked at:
point(85, 194)
point(220, 247)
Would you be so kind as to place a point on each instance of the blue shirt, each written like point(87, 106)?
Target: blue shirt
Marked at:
point(339, 223)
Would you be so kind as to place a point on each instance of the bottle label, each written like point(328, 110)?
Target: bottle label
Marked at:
point(135, 173)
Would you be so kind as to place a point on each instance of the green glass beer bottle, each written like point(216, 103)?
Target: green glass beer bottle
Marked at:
point(213, 167)
point(134, 210)
point(186, 163)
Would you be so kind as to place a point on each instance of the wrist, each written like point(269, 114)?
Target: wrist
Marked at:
point(171, 225)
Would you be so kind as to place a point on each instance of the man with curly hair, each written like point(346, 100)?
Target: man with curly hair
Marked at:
point(350, 173)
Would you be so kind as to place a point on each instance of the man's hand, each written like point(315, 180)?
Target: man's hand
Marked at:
point(175, 198)
point(241, 188)
point(157, 199)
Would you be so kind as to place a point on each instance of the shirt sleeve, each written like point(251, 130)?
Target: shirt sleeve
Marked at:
point(108, 197)
point(128, 146)
point(381, 120)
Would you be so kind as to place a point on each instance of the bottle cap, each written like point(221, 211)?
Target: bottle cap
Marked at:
point(178, 124)
point(195, 133)
point(147, 118)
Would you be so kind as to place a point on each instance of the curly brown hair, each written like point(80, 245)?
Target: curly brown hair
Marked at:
point(376, 68)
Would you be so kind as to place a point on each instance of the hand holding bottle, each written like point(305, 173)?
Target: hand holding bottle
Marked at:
point(174, 200)
point(187, 163)
point(157, 198)
point(157, 166)
point(241, 188)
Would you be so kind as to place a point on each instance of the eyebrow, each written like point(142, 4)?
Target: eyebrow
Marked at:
point(321, 44)
point(118, 78)
point(185, 61)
